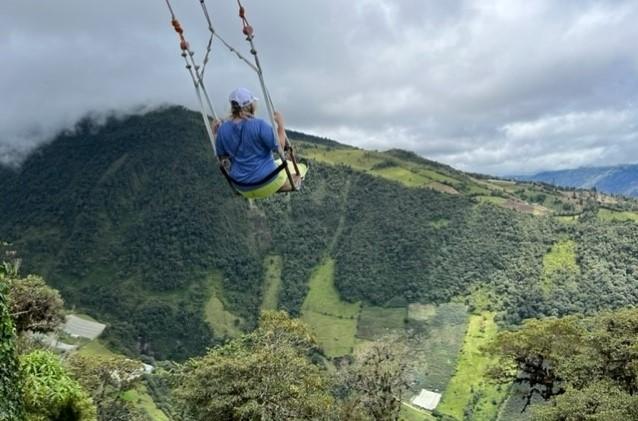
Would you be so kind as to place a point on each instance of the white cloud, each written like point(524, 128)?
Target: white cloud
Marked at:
point(501, 86)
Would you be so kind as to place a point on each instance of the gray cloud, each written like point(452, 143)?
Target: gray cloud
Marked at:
point(499, 87)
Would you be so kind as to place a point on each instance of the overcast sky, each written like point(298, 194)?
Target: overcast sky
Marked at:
point(492, 86)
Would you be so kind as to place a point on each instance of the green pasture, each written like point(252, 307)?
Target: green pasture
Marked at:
point(494, 200)
point(223, 322)
point(96, 348)
point(469, 395)
point(568, 219)
point(272, 282)
point(560, 259)
point(385, 166)
point(332, 320)
point(141, 399)
point(611, 215)
point(411, 413)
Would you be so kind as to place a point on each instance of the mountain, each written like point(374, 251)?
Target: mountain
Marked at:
point(621, 179)
point(133, 223)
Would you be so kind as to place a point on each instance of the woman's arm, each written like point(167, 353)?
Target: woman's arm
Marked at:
point(281, 130)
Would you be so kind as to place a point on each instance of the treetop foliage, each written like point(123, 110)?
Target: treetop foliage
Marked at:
point(585, 365)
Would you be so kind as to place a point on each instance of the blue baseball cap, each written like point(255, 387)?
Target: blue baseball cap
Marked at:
point(242, 96)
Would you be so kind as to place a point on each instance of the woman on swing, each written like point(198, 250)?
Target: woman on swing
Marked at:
point(249, 142)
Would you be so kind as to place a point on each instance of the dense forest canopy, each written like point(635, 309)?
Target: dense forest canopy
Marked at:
point(131, 220)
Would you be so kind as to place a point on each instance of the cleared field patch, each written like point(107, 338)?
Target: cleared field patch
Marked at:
point(443, 188)
point(560, 260)
point(494, 200)
point(272, 282)
point(96, 348)
point(611, 215)
point(375, 322)
point(411, 413)
point(386, 166)
point(407, 177)
point(335, 335)
point(568, 219)
point(143, 400)
point(323, 296)
point(223, 322)
point(469, 395)
point(435, 338)
point(421, 312)
point(333, 321)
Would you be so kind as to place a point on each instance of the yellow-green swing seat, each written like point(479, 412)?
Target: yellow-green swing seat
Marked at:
point(272, 184)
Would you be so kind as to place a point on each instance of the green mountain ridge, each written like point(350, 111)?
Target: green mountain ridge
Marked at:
point(134, 224)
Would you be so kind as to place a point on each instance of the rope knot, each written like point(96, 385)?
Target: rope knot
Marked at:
point(177, 26)
point(248, 30)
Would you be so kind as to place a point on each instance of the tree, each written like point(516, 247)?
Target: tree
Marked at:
point(34, 386)
point(531, 355)
point(600, 401)
point(107, 378)
point(10, 382)
point(576, 357)
point(374, 384)
point(34, 305)
point(265, 375)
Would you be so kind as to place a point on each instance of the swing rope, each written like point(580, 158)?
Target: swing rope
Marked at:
point(248, 30)
point(197, 77)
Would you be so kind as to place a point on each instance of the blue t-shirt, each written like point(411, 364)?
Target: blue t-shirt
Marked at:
point(249, 144)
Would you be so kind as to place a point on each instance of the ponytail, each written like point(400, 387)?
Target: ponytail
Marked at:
point(237, 111)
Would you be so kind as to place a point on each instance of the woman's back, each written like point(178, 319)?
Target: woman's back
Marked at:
point(249, 143)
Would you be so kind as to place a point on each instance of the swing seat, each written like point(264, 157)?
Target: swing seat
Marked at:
point(272, 184)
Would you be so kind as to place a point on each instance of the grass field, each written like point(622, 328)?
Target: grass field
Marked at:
point(96, 348)
point(391, 168)
point(469, 395)
point(333, 321)
point(272, 282)
point(142, 400)
point(411, 413)
point(375, 322)
point(560, 259)
point(610, 215)
point(495, 200)
point(223, 322)
point(568, 219)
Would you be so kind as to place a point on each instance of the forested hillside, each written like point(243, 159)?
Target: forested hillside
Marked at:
point(133, 223)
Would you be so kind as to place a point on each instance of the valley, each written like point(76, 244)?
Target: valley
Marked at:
point(133, 224)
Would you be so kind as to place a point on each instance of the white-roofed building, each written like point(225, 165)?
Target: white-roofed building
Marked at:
point(78, 327)
point(427, 400)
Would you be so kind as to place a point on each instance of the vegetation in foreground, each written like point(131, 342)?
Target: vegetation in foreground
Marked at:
point(586, 366)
